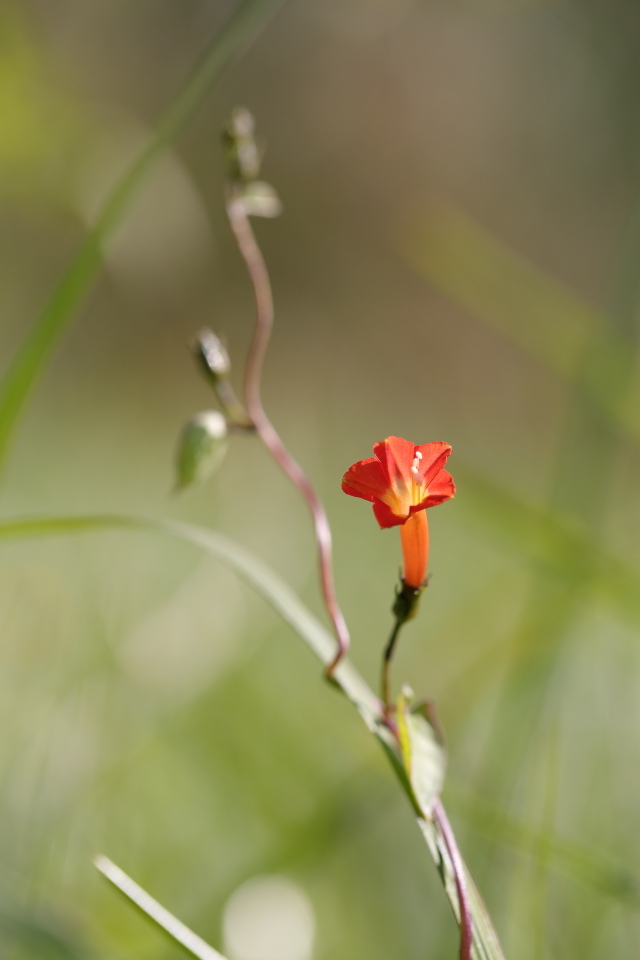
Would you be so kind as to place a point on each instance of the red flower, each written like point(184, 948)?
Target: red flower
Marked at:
point(402, 481)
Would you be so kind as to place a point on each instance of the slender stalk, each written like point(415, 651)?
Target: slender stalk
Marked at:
point(32, 356)
point(457, 863)
point(257, 269)
point(385, 683)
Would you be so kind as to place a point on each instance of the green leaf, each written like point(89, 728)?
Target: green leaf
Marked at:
point(32, 356)
point(428, 762)
point(152, 909)
point(423, 757)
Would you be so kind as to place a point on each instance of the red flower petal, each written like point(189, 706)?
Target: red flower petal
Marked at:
point(385, 516)
point(396, 456)
point(434, 457)
point(441, 488)
point(365, 479)
point(387, 479)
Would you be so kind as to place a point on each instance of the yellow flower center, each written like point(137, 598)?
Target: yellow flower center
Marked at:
point(403, 496)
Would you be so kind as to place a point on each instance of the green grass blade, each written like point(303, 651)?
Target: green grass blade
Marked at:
point(285, 602)
point(152, 909)
point(32, 356)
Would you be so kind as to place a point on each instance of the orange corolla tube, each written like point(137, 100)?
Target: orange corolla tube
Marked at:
point(402, 481)
point(414, 534)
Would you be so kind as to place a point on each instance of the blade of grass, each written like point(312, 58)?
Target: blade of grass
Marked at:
point(285, 602)
point(32, 356)
point(152, 909)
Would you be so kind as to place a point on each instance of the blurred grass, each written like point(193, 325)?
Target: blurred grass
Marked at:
point(539, 315)
point(18, 380)
point(424, 773)
point(529, 637)
point(153, 911)
point(579, 862)
point(597, 359)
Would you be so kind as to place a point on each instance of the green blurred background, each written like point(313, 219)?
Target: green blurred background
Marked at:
point(458, 260)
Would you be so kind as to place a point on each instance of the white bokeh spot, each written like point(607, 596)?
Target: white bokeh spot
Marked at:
point(268, 918)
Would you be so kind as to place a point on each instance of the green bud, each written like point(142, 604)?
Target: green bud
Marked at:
point(212, 354)
point(201, 448)
point(243, 153)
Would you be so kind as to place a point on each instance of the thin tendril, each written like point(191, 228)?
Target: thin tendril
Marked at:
point(254, 261)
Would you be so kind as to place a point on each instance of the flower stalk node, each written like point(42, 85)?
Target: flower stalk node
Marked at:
point(213, 359)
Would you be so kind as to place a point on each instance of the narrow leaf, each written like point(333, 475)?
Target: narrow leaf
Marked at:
point(423, 757)
point(165, 920)
point(428, 762)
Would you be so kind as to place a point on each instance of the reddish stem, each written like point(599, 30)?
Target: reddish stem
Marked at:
point(258, 273)
point(466, 929)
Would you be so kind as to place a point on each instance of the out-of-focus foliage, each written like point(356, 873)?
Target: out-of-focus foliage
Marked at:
point(43, 123)
point(156, 711)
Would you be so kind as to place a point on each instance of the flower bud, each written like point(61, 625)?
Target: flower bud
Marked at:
point(259, 199)
point(201, 448)
point(243, 153)
point(212, 354)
